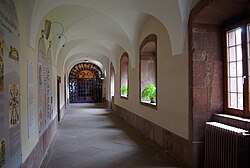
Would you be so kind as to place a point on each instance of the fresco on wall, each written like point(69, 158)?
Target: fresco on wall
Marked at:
point(42, 80)
point(2, 152)
point(10, 127)
point(14, 115)
point(49, 87)
point(1, 66)
point(13, 54)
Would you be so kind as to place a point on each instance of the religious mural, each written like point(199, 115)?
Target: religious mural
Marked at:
point(10, 139)
point(14, 116)
point(86, 74)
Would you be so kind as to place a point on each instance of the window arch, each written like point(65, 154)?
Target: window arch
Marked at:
point(124, 75)
point(148, 70)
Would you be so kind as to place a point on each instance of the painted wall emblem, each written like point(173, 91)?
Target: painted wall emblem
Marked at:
point(13, 54)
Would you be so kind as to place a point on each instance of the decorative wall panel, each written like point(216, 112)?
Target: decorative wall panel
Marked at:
point(42, 81)
point(49, 99)
point(10, 127)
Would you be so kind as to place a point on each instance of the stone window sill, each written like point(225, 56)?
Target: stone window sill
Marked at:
point(233, 117)
point(124, 97)
point(232, 120)
point(148, 103)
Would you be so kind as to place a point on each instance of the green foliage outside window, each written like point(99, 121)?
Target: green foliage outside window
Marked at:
point(149, 93)
point(124, 91)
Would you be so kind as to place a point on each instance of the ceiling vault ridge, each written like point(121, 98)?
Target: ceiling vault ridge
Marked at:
point(105, 21)
point(86, 49)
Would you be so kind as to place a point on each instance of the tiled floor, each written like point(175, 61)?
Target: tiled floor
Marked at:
point(90, 136)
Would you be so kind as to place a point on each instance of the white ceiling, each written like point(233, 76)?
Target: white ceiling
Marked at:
point(101, 28)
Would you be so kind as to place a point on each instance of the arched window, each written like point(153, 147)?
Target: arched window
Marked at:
point(124, 75)
point(148, 70)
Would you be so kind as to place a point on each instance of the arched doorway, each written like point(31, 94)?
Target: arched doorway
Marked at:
point(85, 84)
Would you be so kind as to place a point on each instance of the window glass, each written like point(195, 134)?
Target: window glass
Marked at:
point(235, 69)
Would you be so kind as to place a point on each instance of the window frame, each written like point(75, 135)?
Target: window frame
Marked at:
point(245, 69)
point(124, 54)
point(147, 39)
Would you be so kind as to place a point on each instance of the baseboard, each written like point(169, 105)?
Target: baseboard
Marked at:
point(37, 155)
point(62, 112)
point(174, 145)
point(108, 104)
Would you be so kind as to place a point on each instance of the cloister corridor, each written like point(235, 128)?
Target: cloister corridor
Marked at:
point(90, 136)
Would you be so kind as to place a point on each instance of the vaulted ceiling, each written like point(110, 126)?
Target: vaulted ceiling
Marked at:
point(98, 29)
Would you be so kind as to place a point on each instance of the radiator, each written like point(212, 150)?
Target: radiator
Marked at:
point(226, 146)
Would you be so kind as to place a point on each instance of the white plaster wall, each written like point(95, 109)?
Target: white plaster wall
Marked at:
point(172, 110)
point(172, 84)
point(26, 54)
point(61, 74)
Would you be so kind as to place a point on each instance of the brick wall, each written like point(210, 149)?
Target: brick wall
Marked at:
point(206, 86)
